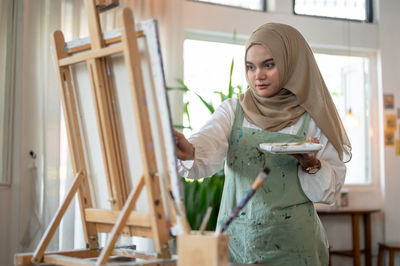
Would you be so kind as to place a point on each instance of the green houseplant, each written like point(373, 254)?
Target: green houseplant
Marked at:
point(199, 194)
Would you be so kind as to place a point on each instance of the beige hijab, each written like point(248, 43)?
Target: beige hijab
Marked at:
point(303, 88)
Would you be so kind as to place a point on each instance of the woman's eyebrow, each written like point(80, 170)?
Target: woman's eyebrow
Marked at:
point(265, 61)
point(268, 60)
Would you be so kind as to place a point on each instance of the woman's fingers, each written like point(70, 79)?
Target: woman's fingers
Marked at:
point(314, 140)
point(177, 134)
point(185, 150)
point(306, 159)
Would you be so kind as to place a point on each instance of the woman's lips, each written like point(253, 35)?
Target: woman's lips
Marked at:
point(263, 86)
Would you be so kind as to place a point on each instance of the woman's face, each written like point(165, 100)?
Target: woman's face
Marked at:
point(262, 72)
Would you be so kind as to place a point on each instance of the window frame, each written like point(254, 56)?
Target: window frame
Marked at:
point(9, 94)
point(264, 8)
point(375, 141)
point(368, 13)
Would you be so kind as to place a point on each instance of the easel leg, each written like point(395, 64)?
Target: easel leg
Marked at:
point(38, 255)
point(123, 217)
point(133, 63)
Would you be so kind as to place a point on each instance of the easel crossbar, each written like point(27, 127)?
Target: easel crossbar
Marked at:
point(110, 217)
point(110, 50)
point(87, 256)
point(88, 46)
point(127, 230)
point(66, 260)
point(25, 258)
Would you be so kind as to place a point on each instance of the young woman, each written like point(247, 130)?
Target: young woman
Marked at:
point(287, 102)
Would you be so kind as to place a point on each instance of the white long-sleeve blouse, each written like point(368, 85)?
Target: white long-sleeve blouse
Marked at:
point(211, 144)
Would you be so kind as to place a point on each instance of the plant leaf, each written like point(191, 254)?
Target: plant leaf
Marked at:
point(222, 95)
point(230, 89)
point(184, 89)
point(178, 126)
point(186, 110)
point(180, 81)
point(209, 106)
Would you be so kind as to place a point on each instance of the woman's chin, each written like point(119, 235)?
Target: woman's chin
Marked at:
point(265, 93)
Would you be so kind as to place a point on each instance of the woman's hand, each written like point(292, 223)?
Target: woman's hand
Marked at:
point(307, 159)
point(184, 148)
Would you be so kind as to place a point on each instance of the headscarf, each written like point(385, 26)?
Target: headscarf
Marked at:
point(302, 88)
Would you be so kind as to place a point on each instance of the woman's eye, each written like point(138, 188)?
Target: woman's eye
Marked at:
point(250, 67)
point(269, 65)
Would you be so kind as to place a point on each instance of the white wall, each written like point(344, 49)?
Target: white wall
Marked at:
point(389, 40)
point(5, 210)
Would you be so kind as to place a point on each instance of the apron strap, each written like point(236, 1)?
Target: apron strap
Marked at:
point(302, 132)
point(238, 122)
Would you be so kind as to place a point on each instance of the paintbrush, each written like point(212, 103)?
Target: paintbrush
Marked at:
point(205, 219)
point(256, 184)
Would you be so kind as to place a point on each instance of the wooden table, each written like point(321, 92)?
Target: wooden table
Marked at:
point(355, 214)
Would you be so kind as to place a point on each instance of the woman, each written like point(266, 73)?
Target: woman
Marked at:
point(287, 102)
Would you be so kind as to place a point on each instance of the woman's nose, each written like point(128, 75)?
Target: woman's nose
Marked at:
point(260, 74)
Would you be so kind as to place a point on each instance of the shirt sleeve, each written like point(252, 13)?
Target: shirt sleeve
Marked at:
point(323, 186)
point(210, 143)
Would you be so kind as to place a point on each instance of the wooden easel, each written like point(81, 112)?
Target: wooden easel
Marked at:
point(120, 219)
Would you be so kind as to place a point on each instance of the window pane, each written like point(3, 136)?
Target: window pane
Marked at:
point(346, 79)
point(250, 4)
point(206, 69)
point(346, 9)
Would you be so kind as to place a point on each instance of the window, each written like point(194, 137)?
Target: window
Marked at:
point(343, 9)
point(248, 4)
point(6, 79)
point(347, 79)
point(206, 69)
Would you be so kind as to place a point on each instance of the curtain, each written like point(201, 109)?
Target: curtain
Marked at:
point(36, 82)
point(36, 195)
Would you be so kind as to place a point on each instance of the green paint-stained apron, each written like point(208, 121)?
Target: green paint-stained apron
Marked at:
point(279, 225)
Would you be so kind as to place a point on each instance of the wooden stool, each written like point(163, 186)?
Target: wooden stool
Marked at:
point(392, 248)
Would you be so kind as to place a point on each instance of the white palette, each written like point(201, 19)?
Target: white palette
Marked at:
point(291, 148)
